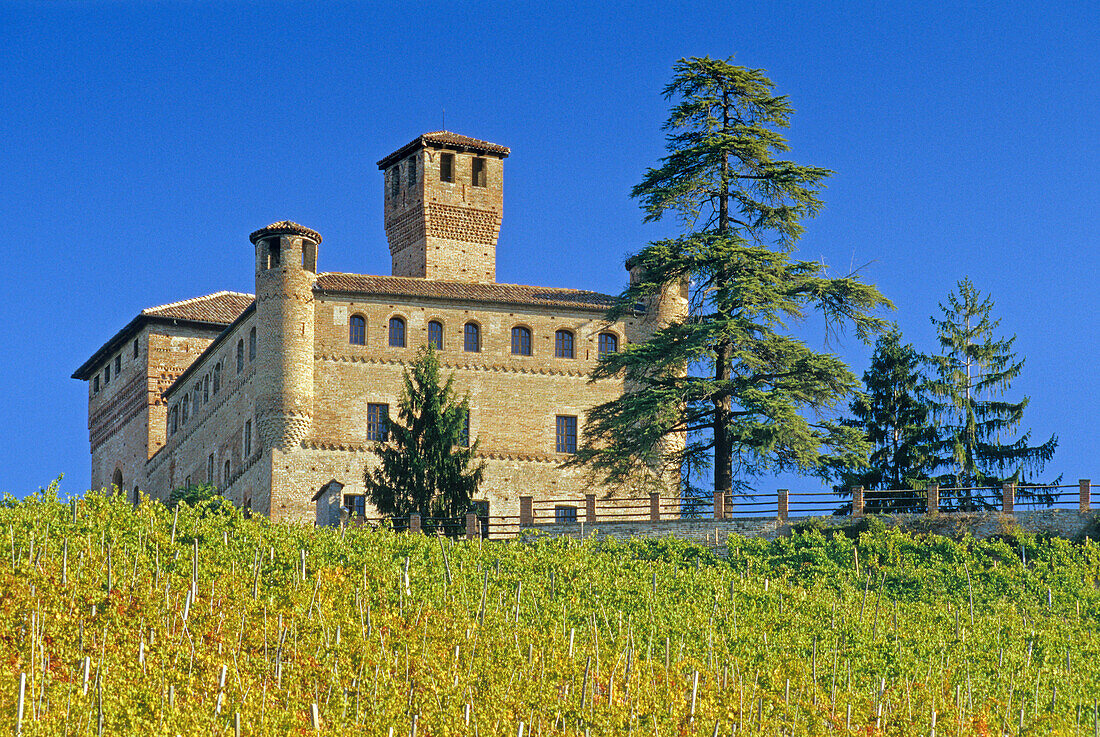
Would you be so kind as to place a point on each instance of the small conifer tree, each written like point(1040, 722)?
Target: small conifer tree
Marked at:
point(894, 414)
point(973, 372)
point(426, 464)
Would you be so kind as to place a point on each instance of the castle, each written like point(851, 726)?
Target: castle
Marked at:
point(270, 397)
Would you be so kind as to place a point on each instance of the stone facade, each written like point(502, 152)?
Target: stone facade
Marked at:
point(271, 401)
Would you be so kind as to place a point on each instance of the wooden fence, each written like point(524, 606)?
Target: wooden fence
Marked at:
point(782, 506)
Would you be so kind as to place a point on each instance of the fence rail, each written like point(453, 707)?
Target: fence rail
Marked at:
point(782, 505)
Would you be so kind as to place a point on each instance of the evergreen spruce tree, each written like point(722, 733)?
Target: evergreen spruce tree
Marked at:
point(426, 465)
point(894, 415)
point(749, 396)
point(974, 370)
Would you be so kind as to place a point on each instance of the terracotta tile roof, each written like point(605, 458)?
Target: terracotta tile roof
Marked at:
point(285, 227)
point(519, 294)
point(448, 139)
point(212, 312)
point(220, 307)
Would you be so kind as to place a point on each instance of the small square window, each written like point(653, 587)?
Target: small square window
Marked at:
point(566, 434)
point(478, 178)
point(446, 167)
point(356, 504)
point(565, 514)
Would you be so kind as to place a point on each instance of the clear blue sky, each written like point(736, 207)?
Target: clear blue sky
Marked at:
point(140, 144)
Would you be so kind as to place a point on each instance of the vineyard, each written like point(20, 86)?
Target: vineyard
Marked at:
point(118, 620)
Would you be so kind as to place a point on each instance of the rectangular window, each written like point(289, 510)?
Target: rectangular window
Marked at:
point(446, 167)
point(356, 504)
point(274, 252)
point(210, 469)
point(608, 343)
point(252, 344)
point(206, 389)
point(479, 173)
point(378, 420)
point(135, 347)
point(240, 355)
point(395, 180)
point(225, 474)
point(107, 374)
point(464, 435)
point(566, 434)
point(247, 438)
point(412, 171)
point(564, 514)
point(95, 384)
point(118, 364)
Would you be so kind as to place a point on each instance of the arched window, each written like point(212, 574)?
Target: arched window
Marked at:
point(563, 344)
point(521, 341)
point(608, 343)
point(206, 389)
point(173, 419)
point(240, 355)
point(217, 376)
point(116, 481)
point(225, 475)
point(186, 408)
point(357, 330)
point(397, 332)
point(435, 335)
point(252, 344)
point(472, 335)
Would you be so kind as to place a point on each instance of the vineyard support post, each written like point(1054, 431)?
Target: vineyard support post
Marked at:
point(719, 504)
point(1008, 498)
point(589, 508)
point(654, 507)
point(857, 501)
point(526, 511)
point(783, 504)
point(414, 523)
point(471, 525)
point(1085, 488)
point(933, 499)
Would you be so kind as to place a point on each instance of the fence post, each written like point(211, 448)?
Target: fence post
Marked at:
point(933, 499)
point(414, 523)
point(654, 507)
point(526, 511)
point(1085, 487)
point(783, 505)
point(1008, 498)
point(857, 501)
point(590, 508)
point(719, 505)
point(471, 525)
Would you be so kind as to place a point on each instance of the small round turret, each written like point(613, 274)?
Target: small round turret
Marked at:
point(286, 269)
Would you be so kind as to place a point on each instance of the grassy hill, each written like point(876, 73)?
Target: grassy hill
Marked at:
point(139, 621)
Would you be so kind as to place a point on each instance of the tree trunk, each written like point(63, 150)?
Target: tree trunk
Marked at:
point(723, 450)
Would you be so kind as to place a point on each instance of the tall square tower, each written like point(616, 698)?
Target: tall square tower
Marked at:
point(444, 200)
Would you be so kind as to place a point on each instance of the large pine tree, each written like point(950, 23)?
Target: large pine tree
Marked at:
point(426, 465)
point(750, 396)
point(973, 372)
point(895, 415)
